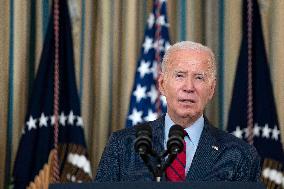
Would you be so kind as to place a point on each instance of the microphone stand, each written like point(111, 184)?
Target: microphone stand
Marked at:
point(161, 164)
point(144, 147)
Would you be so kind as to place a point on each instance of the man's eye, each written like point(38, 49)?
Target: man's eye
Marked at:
point(179, 75)
point(199, 77)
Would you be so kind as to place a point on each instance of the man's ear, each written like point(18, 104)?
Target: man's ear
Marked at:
point(161, 83)
point(212, 89)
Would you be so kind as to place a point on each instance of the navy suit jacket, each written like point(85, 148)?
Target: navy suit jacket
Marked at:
point(232, 160)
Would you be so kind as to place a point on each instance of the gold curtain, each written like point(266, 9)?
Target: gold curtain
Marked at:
point(107, 41)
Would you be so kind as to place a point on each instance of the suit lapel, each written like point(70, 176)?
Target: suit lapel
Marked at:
point(205, 155)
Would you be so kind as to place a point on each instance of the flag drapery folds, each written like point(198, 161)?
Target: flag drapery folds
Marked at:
point(37, 140)
point(253, 115)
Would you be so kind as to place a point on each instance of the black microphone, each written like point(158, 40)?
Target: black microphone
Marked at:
point(143, 141)
point(143, 145)
point(175, 141)
point(174, 145)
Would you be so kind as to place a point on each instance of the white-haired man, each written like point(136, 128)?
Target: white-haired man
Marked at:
point(188, 81)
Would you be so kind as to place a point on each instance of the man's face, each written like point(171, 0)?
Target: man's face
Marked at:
point(187, 84)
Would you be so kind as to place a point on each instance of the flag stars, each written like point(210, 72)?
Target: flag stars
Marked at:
point(246, 130)
point(147, 44)
point(31, 123)
point(71, 118)
point(79, 121)
point(259, 131)
point(154, 70)
point(145, 94)
point(256, 130)
point(151, 20)
point(162, 21)
point(144, 68)
point(52, 120)
point(43, 120)
point(62, 119)
point(139, 93)
point(238, 132)
point(158, 45)
point(135, 116)
point(266, 131)
point(151, 116)
point(153, 94)
point(275, 133)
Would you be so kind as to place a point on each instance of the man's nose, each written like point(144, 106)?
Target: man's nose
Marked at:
point(188, 85)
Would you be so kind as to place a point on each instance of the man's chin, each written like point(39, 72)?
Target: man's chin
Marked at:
point(187, 115)
point(190, 115)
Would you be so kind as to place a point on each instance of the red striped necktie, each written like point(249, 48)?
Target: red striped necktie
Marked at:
point(176, 171)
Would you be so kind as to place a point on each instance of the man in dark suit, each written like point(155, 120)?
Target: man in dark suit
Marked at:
point(188, 81)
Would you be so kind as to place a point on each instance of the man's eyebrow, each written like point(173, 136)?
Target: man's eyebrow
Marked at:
point(204, 74)
point(179, 71)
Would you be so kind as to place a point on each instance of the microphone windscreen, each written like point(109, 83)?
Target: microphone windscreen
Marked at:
point(143, 129)
point(176, 130)
point(175, 141)
point(143, 141)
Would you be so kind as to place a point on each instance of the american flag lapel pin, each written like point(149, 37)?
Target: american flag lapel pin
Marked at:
point(215, 148)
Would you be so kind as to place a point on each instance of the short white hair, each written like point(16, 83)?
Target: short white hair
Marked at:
point(189, 45)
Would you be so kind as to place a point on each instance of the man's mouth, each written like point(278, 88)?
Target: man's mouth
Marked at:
point(187, 101)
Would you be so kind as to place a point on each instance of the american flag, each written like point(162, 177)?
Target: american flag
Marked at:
point(265, 126)
point(146, 102)
point(37, 140)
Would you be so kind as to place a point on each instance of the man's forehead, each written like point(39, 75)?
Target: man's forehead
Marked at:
point(192, 57)
point(190, 52)
point(185, 64)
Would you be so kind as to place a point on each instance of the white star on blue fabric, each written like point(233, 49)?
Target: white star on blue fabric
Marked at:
point(256, 130)
point(43, 120)
point(135, 116)
point(151, 20)
point(62, 119)
point(139, 93)
point(154, 70)
point(158, 45)
point(151, 116)
point(238, 132)
point(52, 120)
point(275, 133)
point(147, 44)
point(266, 131)
point(31, 123)
point(71, 118)
point(246, 131)
point(79, 121)
point(144, 68)
point(162, 21)
point(153, 94)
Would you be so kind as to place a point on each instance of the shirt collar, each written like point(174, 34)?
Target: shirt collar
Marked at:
point(194, 131)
